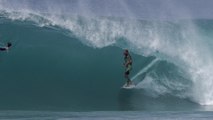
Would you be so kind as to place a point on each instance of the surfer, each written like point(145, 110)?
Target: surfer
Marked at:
point(6, 47)
point(128, 66)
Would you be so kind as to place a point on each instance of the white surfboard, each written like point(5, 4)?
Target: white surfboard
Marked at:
point(129, 86)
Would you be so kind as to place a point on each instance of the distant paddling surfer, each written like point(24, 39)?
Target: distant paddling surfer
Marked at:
point(6, 47)
point(128, 66)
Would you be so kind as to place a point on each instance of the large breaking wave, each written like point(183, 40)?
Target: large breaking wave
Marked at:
point(181, 50)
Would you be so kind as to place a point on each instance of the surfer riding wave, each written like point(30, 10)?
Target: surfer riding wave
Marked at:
point(128, 66)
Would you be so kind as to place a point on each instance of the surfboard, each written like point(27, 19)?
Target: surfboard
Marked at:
point(129, 86)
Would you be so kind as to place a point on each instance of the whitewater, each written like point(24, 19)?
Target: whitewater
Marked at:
point(73, 62)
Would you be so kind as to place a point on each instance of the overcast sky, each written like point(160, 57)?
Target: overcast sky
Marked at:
point(124, 8)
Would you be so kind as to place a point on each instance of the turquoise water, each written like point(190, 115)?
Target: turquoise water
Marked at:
point(75, 64)
point(136, 115)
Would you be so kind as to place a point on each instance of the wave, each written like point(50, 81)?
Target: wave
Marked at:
point(183, 57)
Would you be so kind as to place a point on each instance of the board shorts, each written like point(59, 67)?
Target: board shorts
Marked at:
point(128, 69)
point(127, 73)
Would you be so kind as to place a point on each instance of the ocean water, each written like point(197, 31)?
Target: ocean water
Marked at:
point(71, 67)
point(104, 115)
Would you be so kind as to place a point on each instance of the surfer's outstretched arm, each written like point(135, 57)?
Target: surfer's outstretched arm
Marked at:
point(6, 47)
point(3, 48)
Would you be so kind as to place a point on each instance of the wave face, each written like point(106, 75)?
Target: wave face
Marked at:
point(75, 62)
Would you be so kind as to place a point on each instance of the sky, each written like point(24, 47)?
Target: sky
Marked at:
point(124, 8)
